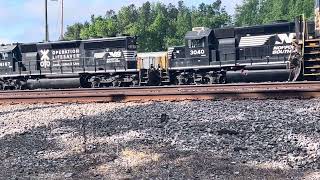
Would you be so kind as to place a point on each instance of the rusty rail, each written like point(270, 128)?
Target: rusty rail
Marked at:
point(169, 93)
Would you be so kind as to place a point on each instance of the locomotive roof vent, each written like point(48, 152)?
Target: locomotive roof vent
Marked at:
point(200, 29)
point(198, 33)
point(279, 21)
point(122, 34)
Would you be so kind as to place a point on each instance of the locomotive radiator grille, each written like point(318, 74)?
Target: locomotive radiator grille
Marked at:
point(130, 55)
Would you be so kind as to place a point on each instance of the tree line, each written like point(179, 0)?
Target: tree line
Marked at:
point(159, 26)
point(253, 12)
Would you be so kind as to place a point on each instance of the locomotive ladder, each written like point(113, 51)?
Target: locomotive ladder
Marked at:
point(311, 59)
point(307, 47)
point(144, 77)
point(164, 77)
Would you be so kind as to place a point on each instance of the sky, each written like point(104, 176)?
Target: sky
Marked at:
point(23, 20)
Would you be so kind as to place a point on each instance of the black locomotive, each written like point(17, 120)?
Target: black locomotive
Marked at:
point(209, 56)
point(69, 64)
point(246, 54)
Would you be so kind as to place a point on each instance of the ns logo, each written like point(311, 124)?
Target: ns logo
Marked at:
point(45, 60)
point(116, 54)
point(285, 38)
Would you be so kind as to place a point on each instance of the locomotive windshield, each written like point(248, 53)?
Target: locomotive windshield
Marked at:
point(196, 43)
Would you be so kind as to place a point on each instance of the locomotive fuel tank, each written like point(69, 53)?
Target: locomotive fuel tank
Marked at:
point(55, 83)
point(246, 76)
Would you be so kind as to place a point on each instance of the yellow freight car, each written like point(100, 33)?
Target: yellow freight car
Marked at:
point(158, 60)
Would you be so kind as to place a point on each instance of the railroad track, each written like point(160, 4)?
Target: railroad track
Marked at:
point(169, 93)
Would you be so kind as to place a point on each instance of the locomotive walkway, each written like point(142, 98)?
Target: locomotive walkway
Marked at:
point(169, 93)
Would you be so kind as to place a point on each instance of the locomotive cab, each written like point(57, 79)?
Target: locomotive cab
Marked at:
point(9, 59)
point(198, 46)
point(197, 51)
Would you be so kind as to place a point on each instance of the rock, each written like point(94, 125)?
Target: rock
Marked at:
point(209, 130)
point(237, 149)
point(164, 118)
point(129, 170)
point(68, 175)
point(227, 131)
point(263, 131)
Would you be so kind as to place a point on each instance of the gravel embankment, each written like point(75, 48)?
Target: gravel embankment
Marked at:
point(273, 139)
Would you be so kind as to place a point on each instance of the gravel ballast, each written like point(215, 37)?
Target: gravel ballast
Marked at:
point(249, 139)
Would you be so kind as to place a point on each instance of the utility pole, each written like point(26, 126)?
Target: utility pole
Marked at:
point(61, 37)
point(46, 21)
point(62, 23)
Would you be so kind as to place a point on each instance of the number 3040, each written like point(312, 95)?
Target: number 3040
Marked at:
point(197, 52)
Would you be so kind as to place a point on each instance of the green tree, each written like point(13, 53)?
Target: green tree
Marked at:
point(73, 31)
point(126, 16)
point(158, 26)
point(184, 24)
point(142, 25)
point(158, 30)
point(248, 13)
point(105, 28)
point(88, 31)
point(210, 15)
point(253, 12)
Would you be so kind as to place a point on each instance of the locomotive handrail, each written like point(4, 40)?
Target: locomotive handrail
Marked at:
point(33, 66)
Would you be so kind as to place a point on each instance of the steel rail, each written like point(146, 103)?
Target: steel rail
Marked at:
point(166, 93)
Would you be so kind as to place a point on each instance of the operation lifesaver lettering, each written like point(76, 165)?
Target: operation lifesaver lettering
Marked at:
point(62, 54)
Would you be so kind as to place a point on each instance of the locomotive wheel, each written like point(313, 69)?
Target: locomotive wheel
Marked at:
point(116, 83)
point(18, 85)
point(1, 85)
point(95, 83)
point(295, 66)
point(21, 84)
point(182, 81)
point(212, 80)
point(135, 83)
point(222, 79)
point(297, 71)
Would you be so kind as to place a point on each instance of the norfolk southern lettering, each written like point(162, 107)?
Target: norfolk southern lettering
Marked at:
point(282, 49)
point(64, 54)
